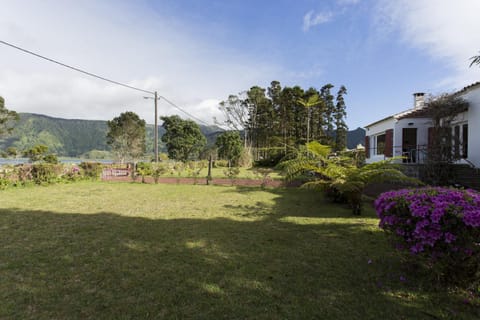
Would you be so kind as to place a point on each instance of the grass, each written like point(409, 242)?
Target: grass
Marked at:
point(245, 173)
point(133, 251)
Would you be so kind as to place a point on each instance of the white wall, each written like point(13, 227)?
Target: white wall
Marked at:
point(422, 125)
point(376, 129)
point(473, 97)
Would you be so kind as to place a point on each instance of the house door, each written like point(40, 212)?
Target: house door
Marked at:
point(409, 145)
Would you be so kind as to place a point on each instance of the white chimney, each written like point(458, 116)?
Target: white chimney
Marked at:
point(418, 100)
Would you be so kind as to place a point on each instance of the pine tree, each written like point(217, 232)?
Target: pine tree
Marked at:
point(340, 125)
point(328, 115)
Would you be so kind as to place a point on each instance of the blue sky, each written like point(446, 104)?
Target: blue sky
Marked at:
point(197, 52)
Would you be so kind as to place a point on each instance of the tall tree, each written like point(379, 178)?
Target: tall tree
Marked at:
point(340, 125)
point(236, 112)
point(7, 118)
point(328, 98)
point(309, 103)
point(261, 117)
point(126, 136)
point(229, 146)
point(183, 138)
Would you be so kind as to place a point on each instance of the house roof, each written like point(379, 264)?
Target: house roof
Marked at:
point(379, 121)
point(423, 111)
point(468, 88)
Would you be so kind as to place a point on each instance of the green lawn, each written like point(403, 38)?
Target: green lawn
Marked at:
point(245, 173)
point(136, 251)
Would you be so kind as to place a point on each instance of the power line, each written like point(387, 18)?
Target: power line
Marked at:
point(76, 69)
point(101, 78)
point(187, 113)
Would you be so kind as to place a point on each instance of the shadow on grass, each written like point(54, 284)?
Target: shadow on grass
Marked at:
point(67, 266)
point(298, 202)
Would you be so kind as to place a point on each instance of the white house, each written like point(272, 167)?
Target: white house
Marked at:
point(407, 133)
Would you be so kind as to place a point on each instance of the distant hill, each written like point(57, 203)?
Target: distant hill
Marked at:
point(355, 137)
point(74, 137)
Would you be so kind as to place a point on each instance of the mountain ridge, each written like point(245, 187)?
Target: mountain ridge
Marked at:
point(75, 137)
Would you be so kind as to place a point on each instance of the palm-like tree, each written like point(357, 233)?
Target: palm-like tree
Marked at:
point(339, 176)
point(312, 101)
point(475, 60)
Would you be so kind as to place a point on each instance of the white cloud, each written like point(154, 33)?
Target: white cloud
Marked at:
point(312, 19)
point(447, 31)
point(124, 41)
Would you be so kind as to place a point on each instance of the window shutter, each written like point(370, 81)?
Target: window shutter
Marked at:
point(388, 151)
point(367, 147)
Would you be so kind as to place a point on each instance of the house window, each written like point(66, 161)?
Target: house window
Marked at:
point(465, 141)
point(456, 141)
point(380, 144)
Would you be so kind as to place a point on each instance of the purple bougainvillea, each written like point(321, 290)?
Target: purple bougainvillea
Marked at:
point(440, 224)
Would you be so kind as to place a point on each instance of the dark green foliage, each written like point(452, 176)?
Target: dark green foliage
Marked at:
point(7, 118)
point(91, 170)
point(441, 155)
point(63, 137)
point(340, 177)
point(46, 173)
point(12, 152)
point(340, 114)
point(286, 117)
point(183, 138)
point(74, 138)
point(50, 158)
point(126, 136)
point(229, 146)
point(36, 153)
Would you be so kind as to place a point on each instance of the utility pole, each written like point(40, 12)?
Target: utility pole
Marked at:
point(156, 127)
point(155, 98)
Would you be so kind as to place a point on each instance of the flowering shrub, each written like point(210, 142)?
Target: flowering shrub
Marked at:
point(439, 226)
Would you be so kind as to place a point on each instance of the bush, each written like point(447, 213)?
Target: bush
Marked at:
point(71, 173)
point(220, 164)
point(157, 170)
point(4, 183)
point(144, 169)
point(91, 169)
point(46, 173)
point(231, 173)
point(439, 227)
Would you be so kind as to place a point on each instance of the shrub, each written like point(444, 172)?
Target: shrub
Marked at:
point(220, 164)
point(71, 173)
point(91, 169)
point(231, 173)
point(263, 174)
point(439, 227)
point(144, 169)
point(4, 183)
point(157, 170)
point(50, 158)
point(195, 168)
point(46, 173)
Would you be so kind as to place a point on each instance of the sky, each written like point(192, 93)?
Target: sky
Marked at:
point(197, 52)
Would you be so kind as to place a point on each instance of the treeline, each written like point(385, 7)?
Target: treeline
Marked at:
point(275, 118)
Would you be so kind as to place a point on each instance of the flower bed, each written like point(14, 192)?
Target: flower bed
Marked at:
point(439, 226)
